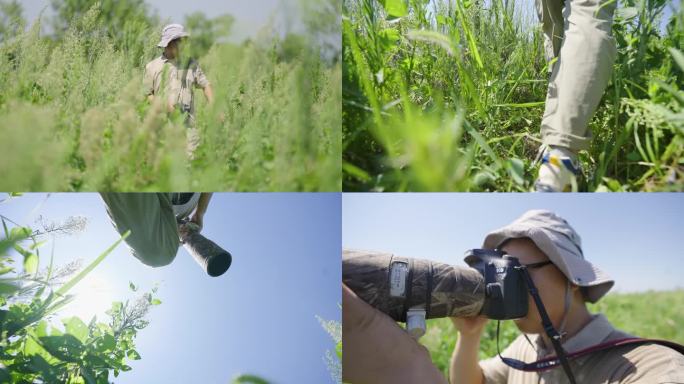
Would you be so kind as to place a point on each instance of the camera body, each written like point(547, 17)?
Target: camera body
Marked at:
point(505, 286)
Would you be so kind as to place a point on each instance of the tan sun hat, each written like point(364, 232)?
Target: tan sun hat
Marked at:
point(561, 244)
point(170, 33)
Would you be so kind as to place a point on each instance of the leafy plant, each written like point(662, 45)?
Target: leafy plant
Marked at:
point(333, 359)
point(32, 348)
point(249, 379)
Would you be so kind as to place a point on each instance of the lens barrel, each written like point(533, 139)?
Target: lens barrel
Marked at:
point(211, 257)
point(395, 284)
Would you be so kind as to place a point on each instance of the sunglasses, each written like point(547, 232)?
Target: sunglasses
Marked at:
point(538, 265)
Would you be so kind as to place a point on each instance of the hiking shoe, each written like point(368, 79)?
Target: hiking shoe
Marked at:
point(558, 170)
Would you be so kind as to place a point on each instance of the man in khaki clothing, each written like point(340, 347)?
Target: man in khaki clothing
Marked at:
point(377, 350)
point(580, 50)
point(564, 286)
point(154, 220)
point(172, 77)
point(158, 223)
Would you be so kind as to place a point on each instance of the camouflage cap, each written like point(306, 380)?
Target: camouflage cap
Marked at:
point(170, 33)
point(561, 244)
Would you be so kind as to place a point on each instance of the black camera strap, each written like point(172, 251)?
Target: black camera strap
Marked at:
point(549, 329)
point(553, 361)
point(561, 357)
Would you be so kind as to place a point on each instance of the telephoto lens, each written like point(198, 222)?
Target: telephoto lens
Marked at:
point(211, 257)
point(397, 285)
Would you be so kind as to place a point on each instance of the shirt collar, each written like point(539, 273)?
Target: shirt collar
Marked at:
point(596, 331)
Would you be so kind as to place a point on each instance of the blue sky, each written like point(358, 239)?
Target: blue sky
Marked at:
point(635, 238)
point(526, 9)
point(257, 318)
point(250, 16)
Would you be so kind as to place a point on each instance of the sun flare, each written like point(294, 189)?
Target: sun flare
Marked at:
point(93, 296)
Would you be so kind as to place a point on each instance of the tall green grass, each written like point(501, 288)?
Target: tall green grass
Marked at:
point(652, 314)
point(449, 95)
point(73, 116)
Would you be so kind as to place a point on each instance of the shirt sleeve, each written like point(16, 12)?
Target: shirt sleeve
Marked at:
point(494, 371)
point(201, 80)
point(650, 364)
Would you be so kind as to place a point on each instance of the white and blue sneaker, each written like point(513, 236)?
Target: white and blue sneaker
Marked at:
point(558, 170)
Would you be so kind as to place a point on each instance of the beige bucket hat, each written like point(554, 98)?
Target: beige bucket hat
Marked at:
point(561, 244)
point(170, 33)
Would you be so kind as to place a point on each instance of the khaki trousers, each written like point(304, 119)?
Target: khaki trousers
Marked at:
point(150, 218)
point(193, 141)
point(578, 34)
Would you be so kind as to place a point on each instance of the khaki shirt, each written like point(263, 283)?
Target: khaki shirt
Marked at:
point(643, 364)
point(178, 81)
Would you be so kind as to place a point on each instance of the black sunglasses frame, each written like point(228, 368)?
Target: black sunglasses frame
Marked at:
point(537, 265)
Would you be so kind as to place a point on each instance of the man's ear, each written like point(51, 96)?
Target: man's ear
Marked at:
point(582, 291)
point(577, 290)
point(585, 293)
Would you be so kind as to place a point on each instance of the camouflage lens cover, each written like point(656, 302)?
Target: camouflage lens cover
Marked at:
point(394, 284)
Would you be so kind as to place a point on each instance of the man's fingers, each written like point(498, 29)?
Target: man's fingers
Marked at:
point(196, 221)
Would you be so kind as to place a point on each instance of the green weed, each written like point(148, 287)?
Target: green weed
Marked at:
point(449, 95)
point(32, 348)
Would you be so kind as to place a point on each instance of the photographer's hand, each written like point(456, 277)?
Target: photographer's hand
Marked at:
point(198, 219)
point(469, 326)
point(465, 367)
point(198, 216)
point(377, 350)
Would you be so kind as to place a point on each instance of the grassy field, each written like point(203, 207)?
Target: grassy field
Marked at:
point(73, 115)
point(449, 95)
point(650, 314)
